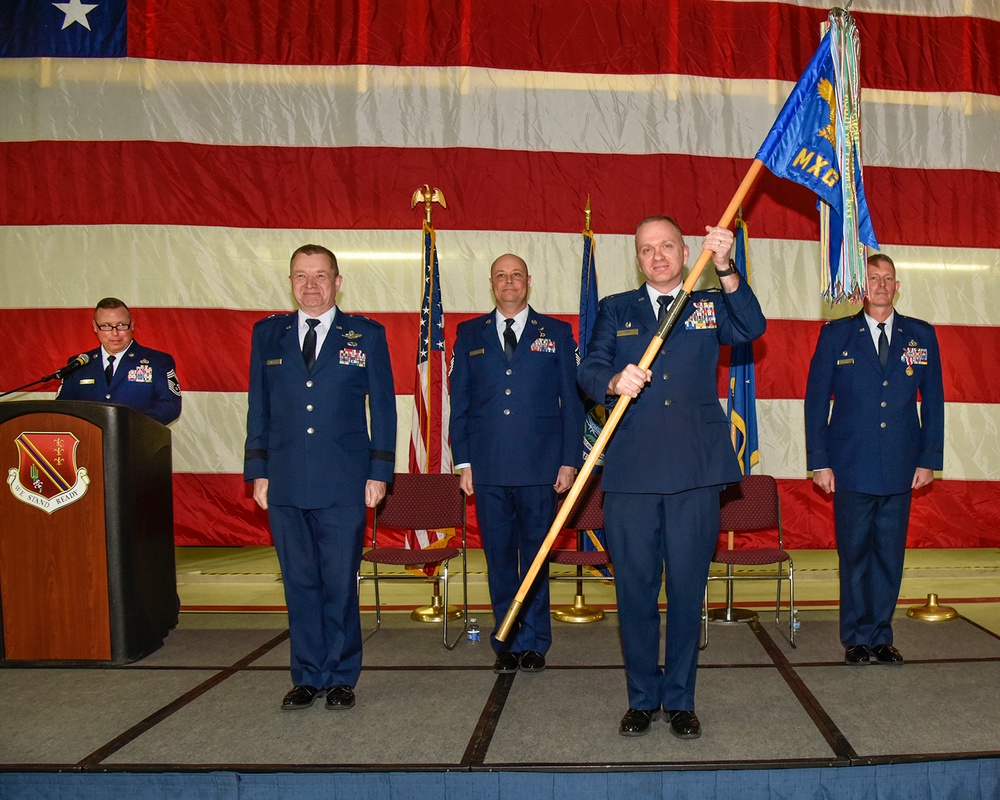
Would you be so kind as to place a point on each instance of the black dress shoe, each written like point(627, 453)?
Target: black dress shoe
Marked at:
point(857, 655)
point(636, 722)
point(532, 661)
point(339, 698)
point(300, 697)
point(507, 663)
point(887, 654)
point(683, 724)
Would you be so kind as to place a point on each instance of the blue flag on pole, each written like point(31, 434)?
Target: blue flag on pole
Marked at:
point(596, 413)
point(742, 382)
point(816, 142)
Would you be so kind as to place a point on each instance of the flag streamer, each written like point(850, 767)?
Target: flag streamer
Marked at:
point(816, 142)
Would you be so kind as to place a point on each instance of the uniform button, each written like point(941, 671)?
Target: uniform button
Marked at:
point(506, 391)
point(506, 412)
point(510, 372)
point(885, 383)
point(310, 430)
point(107, 397)
point(309, 384)
point(882, 425)
point(663, 352)
point(309, 408)
point(883, 404)
point(667, 402)
point(666, 376)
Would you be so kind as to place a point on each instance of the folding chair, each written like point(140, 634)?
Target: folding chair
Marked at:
point(587, 514)
point(420, 502)
point(753, 505)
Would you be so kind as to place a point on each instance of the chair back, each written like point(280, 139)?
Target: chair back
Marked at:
point(751, 505)
point(588, 511)
point(422, 502)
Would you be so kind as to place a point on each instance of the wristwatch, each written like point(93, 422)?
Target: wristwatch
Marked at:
point(724, 272)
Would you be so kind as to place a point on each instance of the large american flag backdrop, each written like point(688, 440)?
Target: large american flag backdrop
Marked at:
point(179, 174)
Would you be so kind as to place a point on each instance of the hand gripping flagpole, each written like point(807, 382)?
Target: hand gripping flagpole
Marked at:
point(663, 330)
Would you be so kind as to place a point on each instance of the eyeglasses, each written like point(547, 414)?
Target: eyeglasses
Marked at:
point(121, 326)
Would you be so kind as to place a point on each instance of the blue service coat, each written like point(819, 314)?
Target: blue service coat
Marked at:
point(146, 381)
point(515, 423)
point(675, 435)
point(663, 467)
point(307, 431)
point(874, 438)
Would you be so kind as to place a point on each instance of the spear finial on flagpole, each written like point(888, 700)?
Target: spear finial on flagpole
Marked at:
point(424, 194)
point(586, 212)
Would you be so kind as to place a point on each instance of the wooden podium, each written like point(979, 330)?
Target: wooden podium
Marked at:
point(87, 569)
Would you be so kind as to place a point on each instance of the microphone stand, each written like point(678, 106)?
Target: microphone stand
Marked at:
point(60, 373)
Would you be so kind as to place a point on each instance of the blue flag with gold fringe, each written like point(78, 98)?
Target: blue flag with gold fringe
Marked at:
point(742, 381)
point(816, 142)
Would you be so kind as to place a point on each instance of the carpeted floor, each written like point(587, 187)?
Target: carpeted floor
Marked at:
point(209, 699)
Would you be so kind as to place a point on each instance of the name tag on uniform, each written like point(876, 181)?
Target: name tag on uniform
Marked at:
point(273, 362)
point(86, 381)
point(629, 332)
point(843, 361)
point(478, 352)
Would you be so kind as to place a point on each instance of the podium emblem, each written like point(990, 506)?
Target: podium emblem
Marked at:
point(47, 476)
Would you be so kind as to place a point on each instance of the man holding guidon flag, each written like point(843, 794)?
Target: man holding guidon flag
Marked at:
point(667, 462)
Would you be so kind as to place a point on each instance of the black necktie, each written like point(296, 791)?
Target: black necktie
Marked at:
point(509, 340)
point(883, 345)
point(109, 370)
point(309, 343)
point(664, 300)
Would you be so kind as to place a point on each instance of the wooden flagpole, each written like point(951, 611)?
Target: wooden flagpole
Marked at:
point(619, 410)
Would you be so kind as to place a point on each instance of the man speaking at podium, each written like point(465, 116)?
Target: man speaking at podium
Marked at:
point(123, 371)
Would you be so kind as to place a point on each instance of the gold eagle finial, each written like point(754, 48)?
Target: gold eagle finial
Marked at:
point(424, 194)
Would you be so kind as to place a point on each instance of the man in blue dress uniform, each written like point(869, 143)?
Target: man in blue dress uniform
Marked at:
point(516, 432)
point(315, 467)
point(873, 450)
point(667, 461)
point(123, 371)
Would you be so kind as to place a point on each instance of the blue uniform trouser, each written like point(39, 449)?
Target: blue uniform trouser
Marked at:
point(649, 535)
point(513, 521)
point(871, 543)
point(319, 551)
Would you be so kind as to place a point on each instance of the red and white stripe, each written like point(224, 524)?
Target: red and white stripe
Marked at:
point(181, 178)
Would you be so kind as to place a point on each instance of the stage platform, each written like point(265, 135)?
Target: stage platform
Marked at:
point(201, 718)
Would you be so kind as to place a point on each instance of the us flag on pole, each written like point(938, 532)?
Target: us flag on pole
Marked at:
point(429, 449)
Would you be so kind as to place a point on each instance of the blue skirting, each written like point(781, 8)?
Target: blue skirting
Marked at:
point(957, 779)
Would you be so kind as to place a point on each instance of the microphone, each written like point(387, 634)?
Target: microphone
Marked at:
point(72, 365)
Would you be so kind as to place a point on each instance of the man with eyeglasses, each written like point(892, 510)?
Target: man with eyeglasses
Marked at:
point(123, 371)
